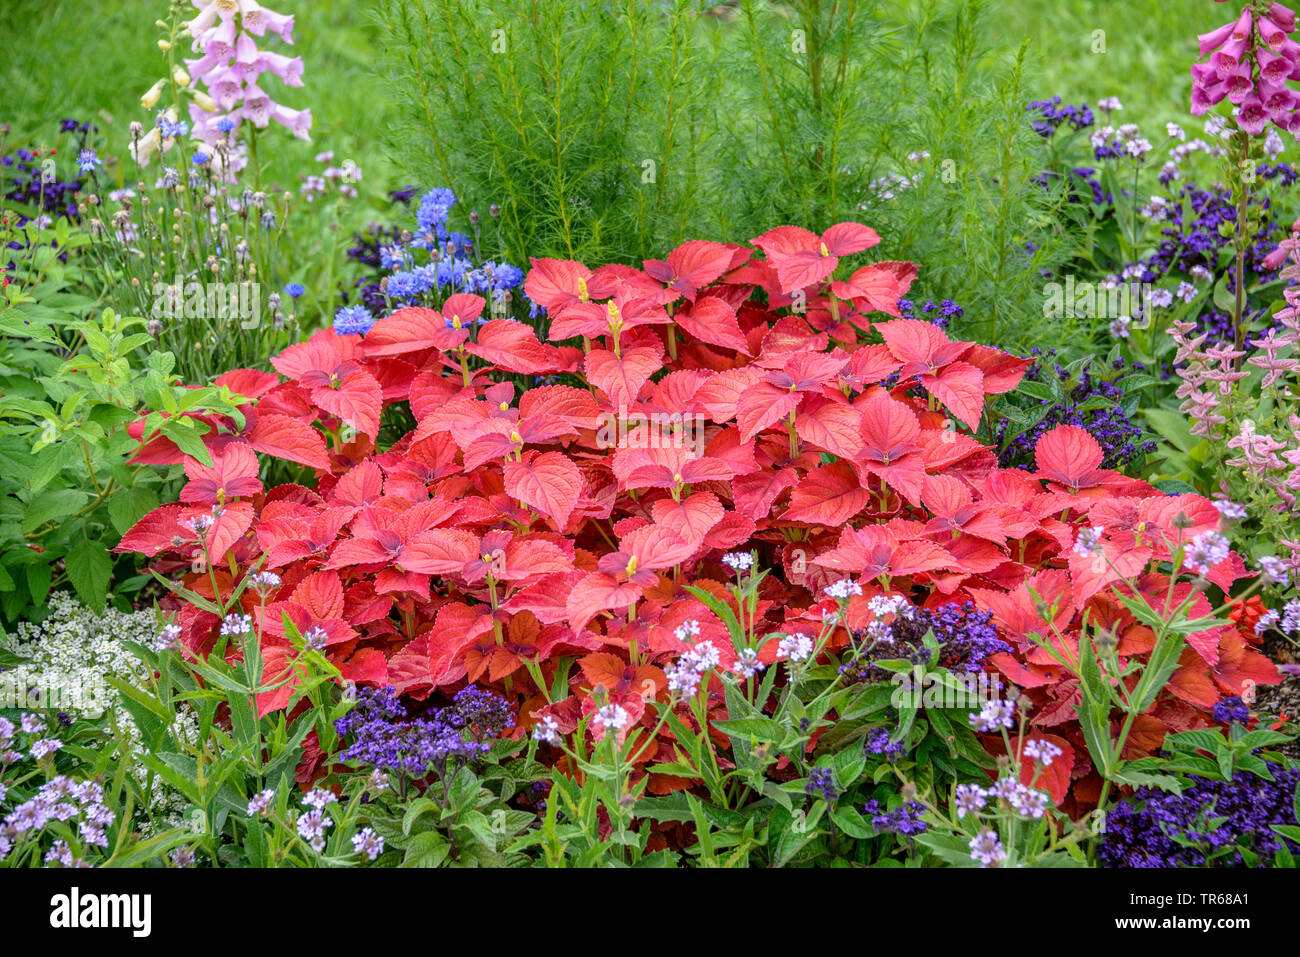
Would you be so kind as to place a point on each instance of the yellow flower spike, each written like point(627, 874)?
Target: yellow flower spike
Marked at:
point(516, 438)
point(825, 251)
point(504, 406)
point(631, 566)
point(582, 289)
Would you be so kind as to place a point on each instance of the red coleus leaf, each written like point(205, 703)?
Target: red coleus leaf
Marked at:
point(877, 550)
point(876, 288)
point(621, 377)
point(690, 519)
point(461, 309)
point(890, 434)
point(357, 399)
point(692, 266)
point(756, 493)
point(1068, 455)
point(597, 592)
point(1001, 372)
point(1055, 778)
point(233, 474)
point(712, 320)
point(834, 427)
point(557, 283)
point(248, 382)
point(547, 483)
point(802, 258)
point(960, 387)
point(413, 329)
point(157, 531)
point(513, 347)
point(830, 495)
point(292, 540)
point(922, 347)
point(287, 438)
point(763, 405)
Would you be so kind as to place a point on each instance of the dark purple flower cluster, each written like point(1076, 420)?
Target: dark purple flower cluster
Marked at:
point(1112, 427)
point(1154, 828)
point(386, 739)
point(966, 637)
point(366, 249)
point(822, 781)
point(484, 714)
point(904, 820)
point(1193, 238)
point(26, 185)
point(878, 743)
point(936, 313)
point(1051, 114)
point(1231, 709)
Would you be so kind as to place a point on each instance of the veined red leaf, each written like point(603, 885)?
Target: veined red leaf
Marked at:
point(829, 495)
point(621, 377)
point(547, 483)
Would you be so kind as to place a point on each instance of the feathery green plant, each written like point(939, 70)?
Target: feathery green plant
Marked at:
point(611, 131)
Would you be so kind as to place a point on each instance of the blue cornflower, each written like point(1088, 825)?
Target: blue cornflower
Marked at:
point(172, 130)
point(199, 159)
point(353, 320)
point(392, 257)
point(507, 276)
point(225, 124)
point(88, 161)
point(293, 290)
point(405, 285)
point(435, 206)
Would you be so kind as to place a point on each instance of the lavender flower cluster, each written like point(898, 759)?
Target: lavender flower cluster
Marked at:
point(1154, 828)
point(387, 740)
point(1112, 427)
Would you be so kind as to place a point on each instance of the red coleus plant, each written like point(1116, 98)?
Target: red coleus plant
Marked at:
point(718, 402)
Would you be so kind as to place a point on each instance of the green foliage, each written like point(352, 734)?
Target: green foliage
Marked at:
point(582, 121)
point(809, 113)
point(68, 391)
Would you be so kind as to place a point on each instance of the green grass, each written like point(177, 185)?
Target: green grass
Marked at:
point(1149, 49)
point(91, 59)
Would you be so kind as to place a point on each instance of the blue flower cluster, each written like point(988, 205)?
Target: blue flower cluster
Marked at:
point(904, 820)
point(403, 280)
point(966, 636)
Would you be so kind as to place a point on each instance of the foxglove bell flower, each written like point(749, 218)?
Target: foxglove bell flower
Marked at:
point(1249, 61)
point(232, 64)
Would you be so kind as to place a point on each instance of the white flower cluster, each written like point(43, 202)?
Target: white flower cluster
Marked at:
point(67, 660)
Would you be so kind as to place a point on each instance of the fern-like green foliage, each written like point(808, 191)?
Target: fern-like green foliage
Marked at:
point(579, 119)
point(611, 131)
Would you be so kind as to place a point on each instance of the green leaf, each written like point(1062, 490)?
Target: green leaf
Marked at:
point(428, 849)
point(89, 569)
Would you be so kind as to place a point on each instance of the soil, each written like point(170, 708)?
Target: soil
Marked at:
point(1284, 698)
